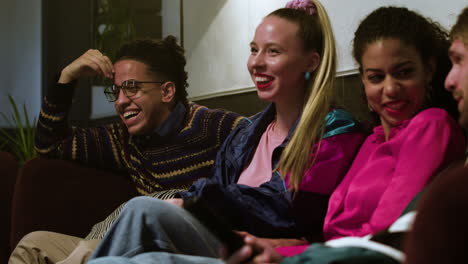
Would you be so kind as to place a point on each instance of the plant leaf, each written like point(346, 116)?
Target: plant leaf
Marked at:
point(21, 143)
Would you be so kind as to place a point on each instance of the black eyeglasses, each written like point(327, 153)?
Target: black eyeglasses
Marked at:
point(129, 87)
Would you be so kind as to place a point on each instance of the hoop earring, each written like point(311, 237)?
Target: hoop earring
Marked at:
point(370, 108)
point(307, 76)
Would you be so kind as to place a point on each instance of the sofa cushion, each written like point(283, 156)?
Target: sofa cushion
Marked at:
point(8, 171)
point(64, 197)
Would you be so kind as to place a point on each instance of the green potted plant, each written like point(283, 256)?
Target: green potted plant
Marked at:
point(113, 25)
point(19, 140)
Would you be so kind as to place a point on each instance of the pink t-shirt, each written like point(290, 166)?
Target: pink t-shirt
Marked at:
point(259, 169)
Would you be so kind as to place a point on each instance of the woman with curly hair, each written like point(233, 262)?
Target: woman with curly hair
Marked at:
point(403, 64)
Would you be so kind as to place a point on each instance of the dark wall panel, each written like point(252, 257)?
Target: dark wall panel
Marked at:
point(66, 29)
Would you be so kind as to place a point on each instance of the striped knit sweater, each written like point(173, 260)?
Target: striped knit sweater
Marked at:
point(154, 163)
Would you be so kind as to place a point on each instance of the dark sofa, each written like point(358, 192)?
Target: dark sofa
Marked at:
point(62, 196)
point(8, 172)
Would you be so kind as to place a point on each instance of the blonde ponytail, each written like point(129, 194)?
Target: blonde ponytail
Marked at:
point(296, 157)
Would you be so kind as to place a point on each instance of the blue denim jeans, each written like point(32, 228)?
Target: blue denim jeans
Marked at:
point(157, 257)
point(152, 225)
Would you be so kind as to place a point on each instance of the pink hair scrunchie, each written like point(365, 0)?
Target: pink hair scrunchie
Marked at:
point(305, 5)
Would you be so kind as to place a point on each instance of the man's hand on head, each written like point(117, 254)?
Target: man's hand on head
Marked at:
point(90, 64)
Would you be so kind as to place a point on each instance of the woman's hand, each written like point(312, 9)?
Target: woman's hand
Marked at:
point(255, 250)
point(277, 242)
point(90, 64)
point(176, 201)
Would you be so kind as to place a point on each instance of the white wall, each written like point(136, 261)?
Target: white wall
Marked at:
point(217, 34)
point(20, 53)
point(171, 18)
point(346, 15)
point(100, 107)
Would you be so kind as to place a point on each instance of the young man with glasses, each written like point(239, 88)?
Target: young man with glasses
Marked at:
point(163, 142)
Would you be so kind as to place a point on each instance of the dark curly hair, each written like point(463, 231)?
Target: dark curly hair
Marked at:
point(428, 38)
point(164, 57)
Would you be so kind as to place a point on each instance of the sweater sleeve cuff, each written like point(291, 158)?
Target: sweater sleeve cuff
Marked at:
point(61, 94)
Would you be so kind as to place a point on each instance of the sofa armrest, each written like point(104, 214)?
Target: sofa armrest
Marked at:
point(8, 171)
point(62, 196)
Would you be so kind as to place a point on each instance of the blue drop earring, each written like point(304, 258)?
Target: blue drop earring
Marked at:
point(307, 76)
